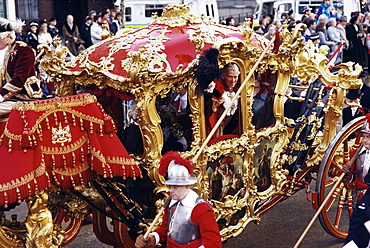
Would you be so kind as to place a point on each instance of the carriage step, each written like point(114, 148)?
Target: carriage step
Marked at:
point(315, 202)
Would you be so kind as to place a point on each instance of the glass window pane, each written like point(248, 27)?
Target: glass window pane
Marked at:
point(27, 9)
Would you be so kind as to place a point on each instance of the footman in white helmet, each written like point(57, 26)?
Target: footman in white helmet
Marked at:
point(188, 221)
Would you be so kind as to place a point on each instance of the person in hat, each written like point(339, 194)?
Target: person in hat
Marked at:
point(354, 109)
point(52, 28)
point(306, 12)
point(17, 62)
point(188, 221)
point(341, 26)
point(358, 178)
point(32, 38)
point(86, 31)
point(291, 16)
point(43, 22)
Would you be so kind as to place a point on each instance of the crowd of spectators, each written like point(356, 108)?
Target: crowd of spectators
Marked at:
point(75, 38)
point(328, 25)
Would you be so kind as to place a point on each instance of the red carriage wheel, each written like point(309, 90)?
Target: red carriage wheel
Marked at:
point(337, 211)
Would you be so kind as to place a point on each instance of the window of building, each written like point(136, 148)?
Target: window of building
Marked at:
point(128, 14)
point(27, 9)
point(151, 8)
point(2, 9)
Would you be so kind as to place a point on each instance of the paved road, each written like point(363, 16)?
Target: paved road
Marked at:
point(280, 227)
point(283, 225)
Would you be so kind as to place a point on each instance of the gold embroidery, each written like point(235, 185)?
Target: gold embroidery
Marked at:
point(98, 155)
point(67, 102)
point(12, 88)
point(65, 149)
point(61, 135)
point(24, 179)
point(120, 160)
point(72, 171)
point(60, 105)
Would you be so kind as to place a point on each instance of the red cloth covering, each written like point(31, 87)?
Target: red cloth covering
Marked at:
point(66, 141)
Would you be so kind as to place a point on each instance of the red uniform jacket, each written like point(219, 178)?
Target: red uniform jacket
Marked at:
point(19, 66)
point(202, 216)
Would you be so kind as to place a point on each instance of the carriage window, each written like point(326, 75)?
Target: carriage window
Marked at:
point(176, 124)
point(263, 99)
point(218, 98)
point(131, 135)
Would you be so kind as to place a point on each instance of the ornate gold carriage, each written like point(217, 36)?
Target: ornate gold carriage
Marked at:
point(241, 173)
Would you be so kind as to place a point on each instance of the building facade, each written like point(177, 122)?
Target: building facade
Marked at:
point(36, 10)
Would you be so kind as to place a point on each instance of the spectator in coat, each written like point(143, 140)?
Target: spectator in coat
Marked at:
point(355, 50)
point(341, 26)
point(96, 30)
point(334, 34)
point(119, 21)
point(71, 35)
point(291, 16)
point(311, 29)
point(324, 40)
point(44, 37)
point(32, 39)
point(306, 13)
point(52, 28)
point(86, 32)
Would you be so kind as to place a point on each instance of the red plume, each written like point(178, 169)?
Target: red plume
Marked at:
point(168, 157)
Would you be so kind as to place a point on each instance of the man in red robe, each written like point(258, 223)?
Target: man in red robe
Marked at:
point(17, 72)
point(223, 91)
point(188, 221)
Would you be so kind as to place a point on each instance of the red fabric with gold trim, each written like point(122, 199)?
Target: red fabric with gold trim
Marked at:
point(66, 141)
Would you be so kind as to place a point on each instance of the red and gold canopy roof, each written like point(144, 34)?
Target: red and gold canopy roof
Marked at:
point(172, 43)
